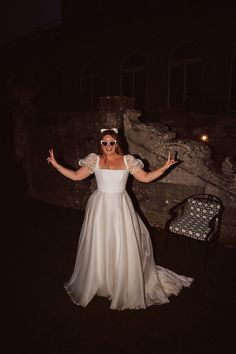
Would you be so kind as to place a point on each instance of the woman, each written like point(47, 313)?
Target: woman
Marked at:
point(115, 257)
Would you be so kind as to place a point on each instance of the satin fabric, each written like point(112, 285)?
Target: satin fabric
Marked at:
point(115, 257)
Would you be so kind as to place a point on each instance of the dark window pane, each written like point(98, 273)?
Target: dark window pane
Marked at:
point(134, 61)
point(127, 84)
point(91, 69)
point(187, 51)
point(193, 83)
point(176, 86)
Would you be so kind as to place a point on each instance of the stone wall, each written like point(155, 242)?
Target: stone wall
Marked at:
point(73, 135)
point(71, 140)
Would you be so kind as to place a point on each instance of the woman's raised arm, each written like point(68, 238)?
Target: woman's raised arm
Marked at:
point(146, 177)
point(78, 175)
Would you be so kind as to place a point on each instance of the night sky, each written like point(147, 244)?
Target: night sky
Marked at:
point(20, 17)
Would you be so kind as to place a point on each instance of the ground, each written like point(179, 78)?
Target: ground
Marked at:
point(40, 253)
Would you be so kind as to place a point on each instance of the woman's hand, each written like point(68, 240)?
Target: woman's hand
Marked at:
point(51, 159)
point(146, 177)
point(169, 162)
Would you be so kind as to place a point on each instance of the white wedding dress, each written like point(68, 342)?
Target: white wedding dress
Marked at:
point(115, 256)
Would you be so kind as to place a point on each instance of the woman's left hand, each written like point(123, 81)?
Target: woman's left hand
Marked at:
point(169, 162)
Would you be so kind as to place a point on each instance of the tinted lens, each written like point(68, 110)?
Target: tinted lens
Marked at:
point(104, 143)
point(112, 143)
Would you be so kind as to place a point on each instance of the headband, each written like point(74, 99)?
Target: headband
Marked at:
point(114, 129)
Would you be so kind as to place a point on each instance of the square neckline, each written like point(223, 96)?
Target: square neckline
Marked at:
point(110, 169)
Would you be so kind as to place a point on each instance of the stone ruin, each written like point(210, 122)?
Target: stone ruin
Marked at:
point(73, 135)
point(194, 174)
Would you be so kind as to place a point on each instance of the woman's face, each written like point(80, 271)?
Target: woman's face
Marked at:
point(109, 145)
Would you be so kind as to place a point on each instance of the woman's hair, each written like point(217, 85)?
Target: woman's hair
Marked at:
point(116, 137)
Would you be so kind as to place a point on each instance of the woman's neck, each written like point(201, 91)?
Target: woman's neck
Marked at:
point(111, 157)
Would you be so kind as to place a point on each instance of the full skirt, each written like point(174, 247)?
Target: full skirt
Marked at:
point(115, 258)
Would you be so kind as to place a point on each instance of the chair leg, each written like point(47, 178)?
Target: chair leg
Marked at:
point(205, 256)
point(211, 249)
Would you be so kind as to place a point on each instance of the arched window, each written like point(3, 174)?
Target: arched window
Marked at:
point(133, 80)
point(90, 86)
point(185, 77)
point(232, 95)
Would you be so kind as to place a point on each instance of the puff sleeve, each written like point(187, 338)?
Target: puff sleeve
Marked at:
point(89, 161)
point(133, 164)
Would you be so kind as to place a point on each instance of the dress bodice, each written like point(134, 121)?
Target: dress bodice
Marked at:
point(111, 181)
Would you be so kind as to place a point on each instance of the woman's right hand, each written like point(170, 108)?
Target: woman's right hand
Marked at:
point(51, 159)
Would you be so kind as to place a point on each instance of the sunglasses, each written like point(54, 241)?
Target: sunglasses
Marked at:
point(105, 143)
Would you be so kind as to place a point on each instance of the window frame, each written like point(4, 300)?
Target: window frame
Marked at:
point(184, 63)
point(133, 72)
point(91, 77)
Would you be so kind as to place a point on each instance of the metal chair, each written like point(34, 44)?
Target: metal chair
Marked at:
point(197, 217)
